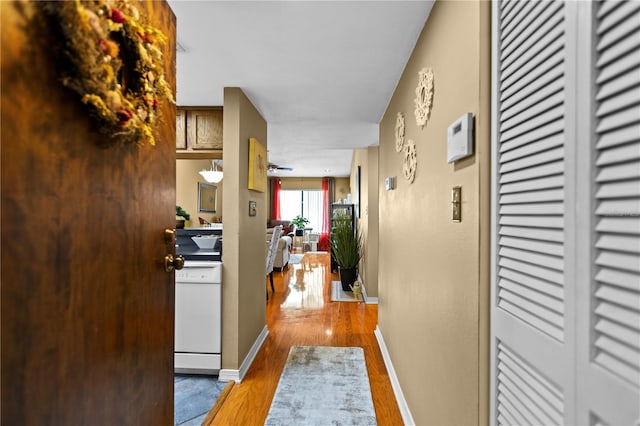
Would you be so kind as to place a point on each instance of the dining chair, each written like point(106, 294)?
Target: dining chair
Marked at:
point(271, 254)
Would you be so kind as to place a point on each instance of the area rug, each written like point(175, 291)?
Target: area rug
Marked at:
point(295, 258)
point(339, 295)
point(323, 385)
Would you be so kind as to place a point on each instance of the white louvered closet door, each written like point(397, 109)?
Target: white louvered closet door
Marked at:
point(529, 300)
point(565, 323)
point(608, 376)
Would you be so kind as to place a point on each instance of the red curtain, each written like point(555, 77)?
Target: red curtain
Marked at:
point(276, 199)
point(323, 242)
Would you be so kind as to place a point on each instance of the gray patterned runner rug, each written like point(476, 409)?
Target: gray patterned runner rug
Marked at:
point(323, 385)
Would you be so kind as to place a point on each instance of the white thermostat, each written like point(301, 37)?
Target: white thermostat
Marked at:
point(460, 138)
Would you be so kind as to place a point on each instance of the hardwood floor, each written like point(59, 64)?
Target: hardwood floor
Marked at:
point(301, 313)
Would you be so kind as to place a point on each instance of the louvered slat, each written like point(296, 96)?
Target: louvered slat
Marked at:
point(533, 196)
point(534, 122)
point(544, 287)
point(531, 166)
point(544, 90)
point(532, 111)
point(539, 22)
point(616, 85)
point(537, 393)
point(626, 63)
point(532, 245)
point(531, 209)
point(543, 158)
point(533, 270)
point(532, 221)
point(533, 184)
point(618, 222)
point(533, 234)
point(616, 321)
point(549, 132)
point(521, 81)
point(548, 76)
point(525, 396)
point(616, 293)
point(622, 243)
point(630, 17)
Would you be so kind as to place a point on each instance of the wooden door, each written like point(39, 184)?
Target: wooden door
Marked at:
point(87, 307)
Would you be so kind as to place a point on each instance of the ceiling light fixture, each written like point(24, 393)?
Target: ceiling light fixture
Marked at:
point(213, 175)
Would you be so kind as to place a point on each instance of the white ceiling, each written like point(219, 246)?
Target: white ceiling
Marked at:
point(321, 73)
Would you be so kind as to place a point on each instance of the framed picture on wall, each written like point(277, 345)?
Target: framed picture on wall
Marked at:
point(207, 197)
point(257, 166)
point(357, 193)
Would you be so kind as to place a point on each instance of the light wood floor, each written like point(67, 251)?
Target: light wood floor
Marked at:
point(301, 313)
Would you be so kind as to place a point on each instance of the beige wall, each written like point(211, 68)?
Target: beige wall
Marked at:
point(301, 183)
point(244, 250)
point(367, 159)
point(342, 189)
point(433, 273)
point(187, 178)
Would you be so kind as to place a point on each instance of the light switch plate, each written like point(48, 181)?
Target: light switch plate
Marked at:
point(456, 204)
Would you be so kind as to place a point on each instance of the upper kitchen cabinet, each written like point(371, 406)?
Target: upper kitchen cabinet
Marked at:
point(199, 132)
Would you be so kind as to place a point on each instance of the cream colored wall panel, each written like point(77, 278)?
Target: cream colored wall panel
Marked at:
point(431, 282)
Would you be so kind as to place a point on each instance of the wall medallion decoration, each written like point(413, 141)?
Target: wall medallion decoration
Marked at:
point(410, 162)
point(399, 132)
point(424, 96)
point(112, 59)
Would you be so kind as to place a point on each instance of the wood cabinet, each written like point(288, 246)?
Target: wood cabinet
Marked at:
point(199, 132)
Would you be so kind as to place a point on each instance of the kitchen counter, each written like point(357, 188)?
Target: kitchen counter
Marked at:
point(190, 251)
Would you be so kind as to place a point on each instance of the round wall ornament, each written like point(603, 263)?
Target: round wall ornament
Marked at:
point(111, 58)
point(410, 162)
point(424, 96)
point(399, 132)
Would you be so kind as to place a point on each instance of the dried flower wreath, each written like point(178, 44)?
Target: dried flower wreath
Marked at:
point(113, 61)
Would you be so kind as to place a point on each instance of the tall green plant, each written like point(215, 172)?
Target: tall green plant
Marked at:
point(346, 246)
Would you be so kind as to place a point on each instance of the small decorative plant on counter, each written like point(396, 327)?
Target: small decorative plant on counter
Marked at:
point(299, 222)
point(181, 216)
point(346, 249)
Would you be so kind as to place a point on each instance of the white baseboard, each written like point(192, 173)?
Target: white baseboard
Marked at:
point(227, 375)
point(407, 418)
point(367, 300)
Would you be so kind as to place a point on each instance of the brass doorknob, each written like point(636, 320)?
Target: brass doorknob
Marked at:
point(169, 236)
point(171, 263)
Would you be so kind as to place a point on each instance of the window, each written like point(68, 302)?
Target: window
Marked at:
point(307, 203)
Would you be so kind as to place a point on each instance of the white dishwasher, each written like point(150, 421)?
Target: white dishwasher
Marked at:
point(198, 317)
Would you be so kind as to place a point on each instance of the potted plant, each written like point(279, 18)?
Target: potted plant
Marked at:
point(299, 222)
point(181, 216)
point(346, 249)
